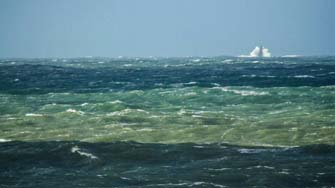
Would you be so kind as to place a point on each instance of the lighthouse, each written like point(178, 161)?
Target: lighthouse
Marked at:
point(260, 52)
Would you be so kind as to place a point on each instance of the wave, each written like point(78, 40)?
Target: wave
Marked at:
point(73, 111)
point(131, 164)
point(34, 115)
point(79, 151)
point(127, 111)
point(242, 92)
point(304, 76)
point(4, 140)
point(294, 56)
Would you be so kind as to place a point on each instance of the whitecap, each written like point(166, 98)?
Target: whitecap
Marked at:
point(197, 146)
point(283, 172)
point(249, 151)
point(159, 84)
point(243, 56)
point(125, 178)
point(181, 112)
point(250, 93)
point(84, 104)
point(243, 92)
point(126, 111)
point(190, 94)
point(304, 76)
point(77, 150)
point(119, 113)
point(291, 56)
point(293, 129)
point(168, 185)
point(136, 91)
point(249, 76)
point(4, 140)
point(277, 112)
point(226, 132)
point(145, 130)
point(208, 184)
point(166, 92)
point(259, 166)
point(227, 60)
point(116, 102)
point(140, 110)
point(70, 110)
point(218, 169)
point(34, 115)
point(190, 83)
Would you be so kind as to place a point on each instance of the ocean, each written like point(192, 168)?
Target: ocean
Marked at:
point(167, 122)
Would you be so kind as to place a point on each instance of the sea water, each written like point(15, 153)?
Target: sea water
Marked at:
point(167, 122)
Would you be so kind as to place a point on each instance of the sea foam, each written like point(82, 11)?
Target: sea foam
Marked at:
point(77, 150)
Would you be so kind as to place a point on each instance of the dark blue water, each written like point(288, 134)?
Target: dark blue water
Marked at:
point(82, 75)
point(130, 164)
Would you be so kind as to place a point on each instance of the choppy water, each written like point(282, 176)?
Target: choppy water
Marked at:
point(167, 122)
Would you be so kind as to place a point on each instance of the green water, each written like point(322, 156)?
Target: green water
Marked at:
point(280, 116)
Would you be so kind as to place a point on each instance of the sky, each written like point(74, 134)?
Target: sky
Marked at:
point(111, 28)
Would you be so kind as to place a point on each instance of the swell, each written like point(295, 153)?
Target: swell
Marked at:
point(131, 164)
point(236, 115)
point(26, 77)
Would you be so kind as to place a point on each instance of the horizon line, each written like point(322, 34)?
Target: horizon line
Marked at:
point(196, 56)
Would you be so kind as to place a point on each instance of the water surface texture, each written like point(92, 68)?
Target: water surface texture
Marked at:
point(167, 122)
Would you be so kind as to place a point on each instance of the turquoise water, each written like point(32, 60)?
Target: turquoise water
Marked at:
point(264, 122)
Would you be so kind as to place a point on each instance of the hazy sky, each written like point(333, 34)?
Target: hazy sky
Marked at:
point(72, 28)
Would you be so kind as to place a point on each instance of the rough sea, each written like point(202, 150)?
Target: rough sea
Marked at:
point(167, 122)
